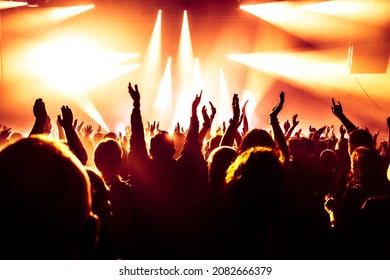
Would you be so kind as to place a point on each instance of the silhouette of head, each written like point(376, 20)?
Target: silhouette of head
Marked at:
point(15, 137)
point(254, 181)
point(218, 162)
point(295, 147)
point(328, 160)
point(359, 137)
point(162, 146)
point(257, 137)
point(369, 170)
point(46, 200)
point(107, 156)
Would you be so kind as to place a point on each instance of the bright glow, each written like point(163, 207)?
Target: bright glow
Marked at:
point(87, 105)
point(303, 23)
point(185, 60)
point(11, 4)
point(163, 101)
point(73, 64)
point(185, 54)
point(42, 17)
point(198, 83)
point(152, 64)
point(312, 70)
point(367, 11)
point(153, 53)
point(67, 12)
point(224, 101)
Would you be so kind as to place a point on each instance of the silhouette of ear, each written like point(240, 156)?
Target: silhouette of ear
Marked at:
point(89, 236)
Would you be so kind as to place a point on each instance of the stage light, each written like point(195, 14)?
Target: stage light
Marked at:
point(11, 4)
point(184, 66)
point(224, 101)
point(163, 101)
point(152, 64)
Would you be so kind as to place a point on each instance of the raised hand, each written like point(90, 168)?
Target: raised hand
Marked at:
point(236, 108)
point(312, 129)
point(206, 118)
point(213, 111)
point(196, 102)
point(39, 109)
point(99, 129)
point(342, 131)
point(4, 134)
point(152, 128)
point(276, 110)
point(177, 128)
point(75, 124)
point(286, 126)
point(294, 120)
point(67, 117)
point(245, 128)
point(337, 109)
point(80, 127)
point(88, 131)
point(135, 95)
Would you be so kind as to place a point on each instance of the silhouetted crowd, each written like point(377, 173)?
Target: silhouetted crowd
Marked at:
point(234, 193)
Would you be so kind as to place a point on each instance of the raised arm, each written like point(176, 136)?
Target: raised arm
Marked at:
point(192, 146)
point(277, 131)
point(41, 117)
point(337, 110)
point(137, 139)
point(72, 138)
point(230, 134)
point(295, 123)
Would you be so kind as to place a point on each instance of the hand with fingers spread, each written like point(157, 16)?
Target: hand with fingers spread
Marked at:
point(152, 128)
point(88, 131)
point(135, 95)
point(4, 135)
point(67, 118)
point(39, 109)
point(337, 109)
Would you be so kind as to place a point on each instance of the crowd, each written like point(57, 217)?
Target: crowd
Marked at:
point(235, 193)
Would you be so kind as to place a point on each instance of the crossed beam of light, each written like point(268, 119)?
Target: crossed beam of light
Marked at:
point(316, 70)
point(375, 12)
point(39, 18)
point(185, 61)
point(152, 62)
point(163, 101)
point(304, 23)
point(11, 4)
